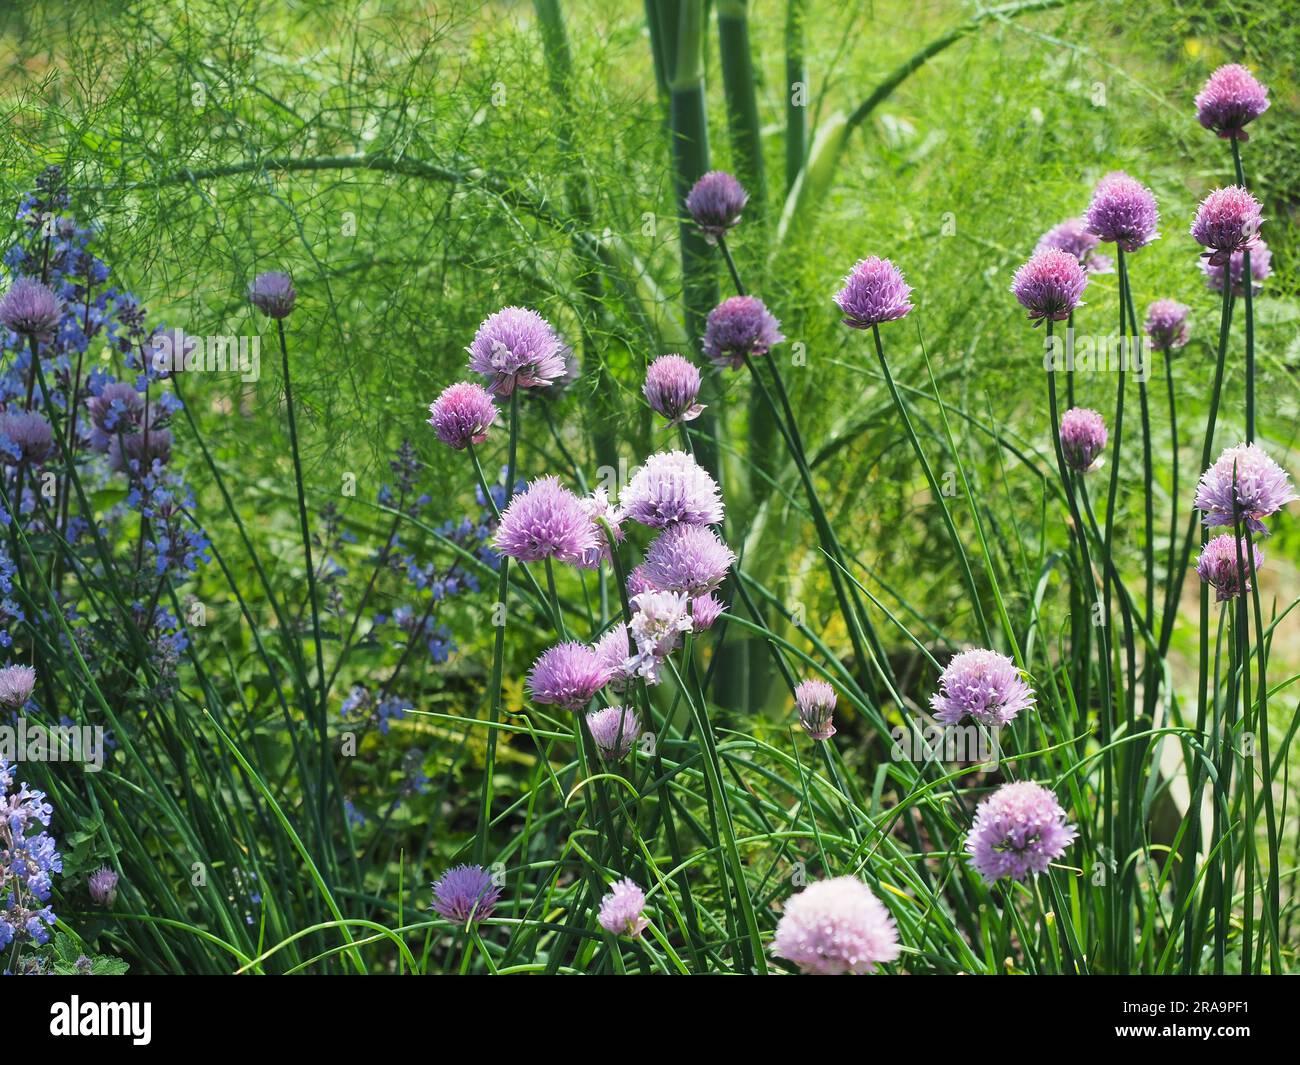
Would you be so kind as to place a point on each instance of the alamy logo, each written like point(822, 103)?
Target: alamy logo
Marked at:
point(176, 351)
point(77, 1018)
point(931, 742)
point(1098, 354)
point(25, 741)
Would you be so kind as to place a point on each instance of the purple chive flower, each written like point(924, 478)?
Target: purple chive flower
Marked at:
point(638, 581)
point(658, 621)
point(816, 702)
point(462, 414)
point(465, 893)
point(705, 611)
point(139, 451)
point(103, 887)
point(1083, 435)
point(273, 294)
point(715, 202)
point(1260, 488)
point(1123, 212)
point(31, 308)
point(672, 488)
point(1049, 285)
point(16, 686)
point(516, 348)
point(1018, 830)
point(688, 558)
point(837, 926)
point(1218, 567)
point(612, 652)
point(1231, 99)
point(1166, 325)
point(1227, 221)
point(984, 684)
point(738, 327)
point(672, 386)
point(615, 730)
point(546, 520)
point(1073, 236)
point(568, 674)
point(1261, 266)
point(29, 433)
point(621, 910)
point(874, 291)
point(118, 409)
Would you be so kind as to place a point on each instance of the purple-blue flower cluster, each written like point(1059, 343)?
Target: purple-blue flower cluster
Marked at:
point(59, 313)
point(29, 858)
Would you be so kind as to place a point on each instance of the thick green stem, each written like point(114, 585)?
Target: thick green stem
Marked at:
point(742, 100)
point(796, 93)
point(602, 416)
point(682, 42)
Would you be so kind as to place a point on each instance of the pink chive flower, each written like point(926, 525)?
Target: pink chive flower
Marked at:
point(716, 202)
point(1123, 212)
point(737, 328)
point(834, 927)
point(31, 309)
point(1166, 325)
point(621, 910)
point(16, 686)
point(516, 348)
point(615, 730)
point(462, 414)
point(1259, 488)
point(1231, 99)
point(273, 294)
point(1261, 266)
point(672, 386)
point(1073, 236)
point(1018, 830)
point(1083, 435)
point(816, 702)
point(103, 887)
point(465, 893)
point(29, 435)
point(138, 452)
point(1049, 285)
point(546, 520)
point(688, 558)
point(638, 581)
point(705, 611)
point(567, 675)
point(1218, 567)
point(670, 489)
point(983, 684)
point(1227, 221)
point(873, 292)
point(118, 408)
point(613, 651)
point(658, 621)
